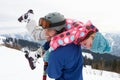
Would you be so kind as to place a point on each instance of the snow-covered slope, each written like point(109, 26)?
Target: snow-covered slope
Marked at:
point(13, 66)
point(93, 74)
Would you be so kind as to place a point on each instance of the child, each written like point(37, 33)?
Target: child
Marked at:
point(77, 32)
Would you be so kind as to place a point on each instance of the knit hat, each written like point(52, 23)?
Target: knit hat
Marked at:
point(57, 20)
point(100, 44)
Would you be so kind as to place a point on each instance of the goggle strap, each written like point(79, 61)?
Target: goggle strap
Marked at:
point(57, 24)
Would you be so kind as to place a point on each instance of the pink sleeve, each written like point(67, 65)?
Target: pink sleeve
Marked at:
point(67, 37)
point(63, 39)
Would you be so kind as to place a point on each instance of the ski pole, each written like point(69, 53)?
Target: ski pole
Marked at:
point(44, 73)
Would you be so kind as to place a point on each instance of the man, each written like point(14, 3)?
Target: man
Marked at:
point(66, 62)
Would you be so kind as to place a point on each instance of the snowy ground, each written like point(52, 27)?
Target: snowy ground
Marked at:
point(13, 66)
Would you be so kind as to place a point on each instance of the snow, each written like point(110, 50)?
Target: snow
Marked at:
point(89, 56)
point(14, 66)
point(93, 74)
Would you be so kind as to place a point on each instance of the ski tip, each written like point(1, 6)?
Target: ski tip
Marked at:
point(30, 11)
point(20, 19)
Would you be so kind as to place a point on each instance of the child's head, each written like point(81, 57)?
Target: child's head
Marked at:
point(100, 44)
point(90, 30)
point(96, 42)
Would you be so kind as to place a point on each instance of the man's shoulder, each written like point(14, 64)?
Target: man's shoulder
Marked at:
point(71, 45)
point(69, 48)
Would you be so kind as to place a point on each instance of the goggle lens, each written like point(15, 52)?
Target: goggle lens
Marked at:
point(44, 23)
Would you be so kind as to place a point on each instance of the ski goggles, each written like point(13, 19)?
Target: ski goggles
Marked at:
point(45, 24)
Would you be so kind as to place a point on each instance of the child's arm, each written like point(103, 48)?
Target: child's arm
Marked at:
point(67, 37)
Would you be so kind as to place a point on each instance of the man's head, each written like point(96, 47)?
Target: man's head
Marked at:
point(53, 20)
point(52, 23)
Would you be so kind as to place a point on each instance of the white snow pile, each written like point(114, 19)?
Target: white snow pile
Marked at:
point(14, 66)
point(89, 56)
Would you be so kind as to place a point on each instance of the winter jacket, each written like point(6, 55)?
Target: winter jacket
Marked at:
point(66, 63)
